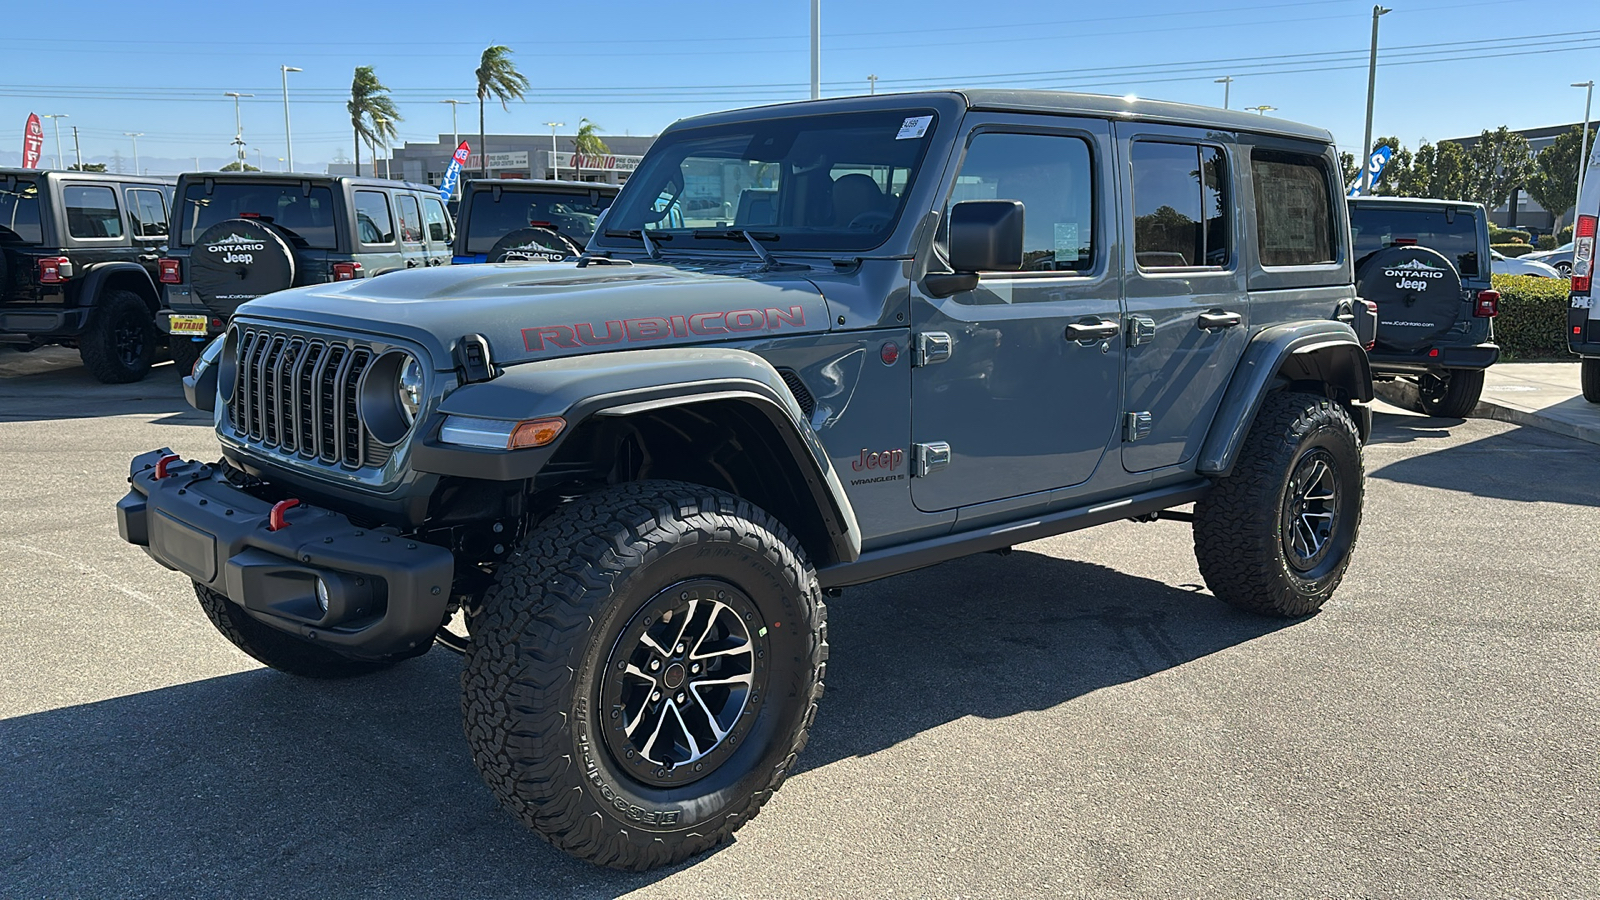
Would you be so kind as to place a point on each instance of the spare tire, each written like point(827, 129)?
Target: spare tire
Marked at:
point(545, 244)
point(238, 260)
point(1418, 292)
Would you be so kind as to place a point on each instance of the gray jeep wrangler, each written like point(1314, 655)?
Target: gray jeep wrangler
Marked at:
point(810, 346)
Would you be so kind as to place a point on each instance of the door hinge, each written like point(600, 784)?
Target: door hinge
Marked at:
point(1138, 426)
point(929, 458)
point(1141, 330)
point(932, 347)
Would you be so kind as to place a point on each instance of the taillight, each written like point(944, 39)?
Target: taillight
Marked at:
point(54, 269)
point(1488, 305)
point(1583, 254)
point(171, 271)
point(1372, 310)
point(346, 271)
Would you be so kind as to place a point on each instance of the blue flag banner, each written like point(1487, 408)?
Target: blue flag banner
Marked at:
point(452, 175)
point(1375, 164)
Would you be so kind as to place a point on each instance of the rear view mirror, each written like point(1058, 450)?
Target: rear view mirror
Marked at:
point(986, 236)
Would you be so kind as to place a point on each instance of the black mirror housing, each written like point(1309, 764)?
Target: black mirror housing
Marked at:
point(986, 236)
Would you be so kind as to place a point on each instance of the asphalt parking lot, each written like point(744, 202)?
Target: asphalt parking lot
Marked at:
point(1079, 718)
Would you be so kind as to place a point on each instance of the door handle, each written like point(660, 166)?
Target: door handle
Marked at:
point(411, 264)
point(1219, 319)
point(1091, 329)
point(149, 257)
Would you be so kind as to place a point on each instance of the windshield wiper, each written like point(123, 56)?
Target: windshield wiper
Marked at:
point(754, 238)
point(643, 237)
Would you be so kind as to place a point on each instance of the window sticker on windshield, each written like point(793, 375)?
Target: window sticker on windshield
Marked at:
point(1067, 245)
point(913, 127)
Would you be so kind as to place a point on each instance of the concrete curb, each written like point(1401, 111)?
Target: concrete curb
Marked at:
point(1404, 395)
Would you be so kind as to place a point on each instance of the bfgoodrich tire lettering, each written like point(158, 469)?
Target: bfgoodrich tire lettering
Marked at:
point(541, 702)
point(1299, 471)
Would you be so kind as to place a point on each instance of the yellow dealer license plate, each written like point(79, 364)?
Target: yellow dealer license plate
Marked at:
point(188, 325)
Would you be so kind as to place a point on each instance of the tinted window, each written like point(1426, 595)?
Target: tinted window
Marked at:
point(306, 217)
point(1374, 228)
point(1053, 178)
point(833, 182)
point(438, 221)
point(91, 211)
point(148, 213)
point(19, 213)
point(410, 218)
point(373, 224)
point(1294, 217)
point(573, 215)
point(1180, 205)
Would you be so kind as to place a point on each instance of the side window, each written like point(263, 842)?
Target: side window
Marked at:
point(147, 213)
point(373, 224)
point(91, 211)
point(1180, 205)
point(1294, 215)
point(1053, 176)
point(438, 221)
point(410, 218)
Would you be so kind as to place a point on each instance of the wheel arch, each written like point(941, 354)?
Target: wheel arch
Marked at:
point(120, 276)
point(1322, 357)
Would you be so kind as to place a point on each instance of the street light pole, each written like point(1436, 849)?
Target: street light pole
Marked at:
point(1261, 110)
point(1583, 161)
point(1227, 88)
point(455, 132)
point(555, 170)
point(872, 84)
point(287, 139)
point(1372, 84)
point(135, 135)
point(77, 148)
point(816, 49)
point(238, 129)
point(56, 120)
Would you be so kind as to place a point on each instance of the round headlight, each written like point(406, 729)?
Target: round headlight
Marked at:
point(409, 387)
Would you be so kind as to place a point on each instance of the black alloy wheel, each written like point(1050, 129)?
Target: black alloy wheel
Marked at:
point(1310, 510)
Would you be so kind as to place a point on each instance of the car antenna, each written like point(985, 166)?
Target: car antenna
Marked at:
point(649, 245)
point(767, 260)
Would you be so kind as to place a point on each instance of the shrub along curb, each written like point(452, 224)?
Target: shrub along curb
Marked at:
point(1533, 316)
point(1512, 249)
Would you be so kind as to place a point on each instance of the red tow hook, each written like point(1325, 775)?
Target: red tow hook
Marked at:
point(162, 463)
point(275, 520)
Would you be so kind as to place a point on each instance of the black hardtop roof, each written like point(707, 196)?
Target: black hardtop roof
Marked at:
point(313, 177)
point(545, 184)
point(6, 171)
point(1054, 102)
point(1430, 202)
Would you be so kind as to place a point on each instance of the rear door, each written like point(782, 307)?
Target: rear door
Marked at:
point(441, 236)
point(1186, 303)
point(97, 232)
point(413, 237)
point(147, 221)
point(377, 239)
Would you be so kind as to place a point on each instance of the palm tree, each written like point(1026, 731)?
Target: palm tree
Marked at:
point(587, 143)
point(372, 113)
point(497, 76)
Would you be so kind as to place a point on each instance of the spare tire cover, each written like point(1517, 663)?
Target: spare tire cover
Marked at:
point(533, 243)
point(1418, 292)
point(238, 260)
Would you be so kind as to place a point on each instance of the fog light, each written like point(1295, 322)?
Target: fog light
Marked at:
point(322, 595)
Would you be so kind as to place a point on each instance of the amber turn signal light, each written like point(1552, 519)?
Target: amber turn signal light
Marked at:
point(536, 432)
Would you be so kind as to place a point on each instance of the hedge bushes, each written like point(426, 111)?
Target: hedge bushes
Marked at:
point(1507, 235)
point(1547, 242)
point(1512, 249)
point(1533, 316)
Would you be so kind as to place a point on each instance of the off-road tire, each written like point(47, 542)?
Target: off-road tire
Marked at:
point(277, 649)
point(1589, 376)
point(119, 345)
point(1240, 524)
point(1454, 396)
point(547, 633)
point(184, 352)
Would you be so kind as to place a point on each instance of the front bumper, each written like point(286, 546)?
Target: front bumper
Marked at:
point(386, 594)
point(1459, 356)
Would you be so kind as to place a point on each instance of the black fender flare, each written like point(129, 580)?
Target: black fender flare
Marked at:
point(629, 382)
point(1327, 352)
point(94, 282)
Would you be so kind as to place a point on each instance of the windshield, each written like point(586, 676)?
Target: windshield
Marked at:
point(573, 215)
point(19, 213)
point(308, 218)
point(1375, 228)
point(836, 182)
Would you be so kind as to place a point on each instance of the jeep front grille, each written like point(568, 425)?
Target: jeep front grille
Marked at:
point(299, 395)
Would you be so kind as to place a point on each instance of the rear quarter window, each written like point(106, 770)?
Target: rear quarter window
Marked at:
point(373, 223)
point(1294, 209)
point(19, 213)
point(91, 211)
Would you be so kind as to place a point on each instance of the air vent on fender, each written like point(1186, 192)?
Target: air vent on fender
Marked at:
point(802, 395)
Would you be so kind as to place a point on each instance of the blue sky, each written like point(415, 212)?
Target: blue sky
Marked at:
point(113, 67)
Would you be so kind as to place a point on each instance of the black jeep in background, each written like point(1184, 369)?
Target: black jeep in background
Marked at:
point(505, 220)
point(78, 255)
point(1425, 263)
point(239, 236)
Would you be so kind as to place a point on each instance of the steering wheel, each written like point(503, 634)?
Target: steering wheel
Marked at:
point(868, 221)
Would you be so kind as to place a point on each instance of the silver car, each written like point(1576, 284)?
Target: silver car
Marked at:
point(1559, 259)
point(1525, 265)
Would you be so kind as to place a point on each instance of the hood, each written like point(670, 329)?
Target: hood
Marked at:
point(544, 311)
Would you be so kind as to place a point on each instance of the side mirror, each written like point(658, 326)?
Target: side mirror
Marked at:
point(986, 236)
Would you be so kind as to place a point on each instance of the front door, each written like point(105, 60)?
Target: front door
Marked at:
point(1028, 396)
point(1184, 290)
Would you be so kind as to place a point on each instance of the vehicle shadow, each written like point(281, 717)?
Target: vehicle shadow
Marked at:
point(50, 384)
point(259, 784)
point(1523, 464)
point(1405, 428)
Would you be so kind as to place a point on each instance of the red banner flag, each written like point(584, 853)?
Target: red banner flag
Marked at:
point(32, 142)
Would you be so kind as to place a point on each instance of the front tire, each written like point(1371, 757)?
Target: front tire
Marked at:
point(280, 650)
point(643, 673)
point(119, 346)
point(1451, 394)
point(1276, 535)
point(1589, 376)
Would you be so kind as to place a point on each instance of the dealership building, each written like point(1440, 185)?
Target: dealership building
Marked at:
point(515, 156)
